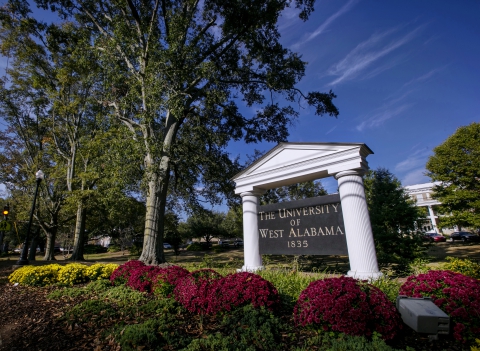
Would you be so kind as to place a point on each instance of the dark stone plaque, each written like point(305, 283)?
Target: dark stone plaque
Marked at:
point(312, 226)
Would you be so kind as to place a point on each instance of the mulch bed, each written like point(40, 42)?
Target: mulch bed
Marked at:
point(31, 322)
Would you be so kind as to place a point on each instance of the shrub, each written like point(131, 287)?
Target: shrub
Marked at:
point(348, 306)
point(240, 289)
point(100, 271)
point(74, 273)
point(454, 293)
point(196, 247)
point(343, 342)
point(122, 273)
point(166, 280)
point(142, 277)
point(114, 248)
point(94, 249)
point(194, 291)
point(35, 276)
point(247, 329)
point(463, 266)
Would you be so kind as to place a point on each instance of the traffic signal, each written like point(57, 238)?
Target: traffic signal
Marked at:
point(6, 209)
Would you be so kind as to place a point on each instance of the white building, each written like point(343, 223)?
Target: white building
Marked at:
point(422, 195)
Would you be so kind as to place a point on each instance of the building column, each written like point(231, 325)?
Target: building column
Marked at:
point(251, 249)
point(432, 218)
point(358, 229)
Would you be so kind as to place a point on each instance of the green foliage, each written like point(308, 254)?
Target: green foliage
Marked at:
point(114, 248)
point(95, 288)
point(343, 342)
point(123, 296)
point(91, 311)
point(206, 224)
point(288, 283)
point(293, 192)
point(393, 217)
point(94, 249)
point(455, 164)
point(463, 266)
point(159, 333)
point(196, 246)
point(246, 329)
point(388, 286)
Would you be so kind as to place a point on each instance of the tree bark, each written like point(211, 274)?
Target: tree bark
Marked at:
point(152, 253)
point(79, 240)
point(158, 179)
point(50, 249)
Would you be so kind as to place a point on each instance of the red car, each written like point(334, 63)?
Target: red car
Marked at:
point(434, 237)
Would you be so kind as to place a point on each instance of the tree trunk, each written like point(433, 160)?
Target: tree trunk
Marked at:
point(152, 253)
point(158, 178)
point(50, 249)
point(79, 241)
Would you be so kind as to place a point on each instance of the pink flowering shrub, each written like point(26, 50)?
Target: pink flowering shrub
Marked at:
point(196, 291)
point(455, 294)
point(349, 306)
point(166, 280)
point(141, 278)
point(245, 288)
point(121, 275)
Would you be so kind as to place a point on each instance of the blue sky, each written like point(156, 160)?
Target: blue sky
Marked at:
point(406, 75)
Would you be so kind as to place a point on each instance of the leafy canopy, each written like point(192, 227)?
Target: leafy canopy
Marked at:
point(393, 217)
point(455, 163)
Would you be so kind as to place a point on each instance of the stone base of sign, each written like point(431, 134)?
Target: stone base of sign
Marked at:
point(365, 275)
point(251, 269)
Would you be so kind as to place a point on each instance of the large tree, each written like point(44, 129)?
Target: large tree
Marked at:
point(179, 70)
point(393, 215)
point(455, 163)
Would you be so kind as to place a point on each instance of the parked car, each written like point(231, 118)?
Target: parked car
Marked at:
point(224, 242)
point(238, 243)
point(167, 246)
point(434, 237)
point(464, 236)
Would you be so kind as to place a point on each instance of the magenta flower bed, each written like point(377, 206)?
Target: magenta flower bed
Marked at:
point(196, 291)
point(142, 278)
point(455, 294)
point(348, 306)
point(244, 288)
point(167, 279)
point(121, 275)
point(207, 292)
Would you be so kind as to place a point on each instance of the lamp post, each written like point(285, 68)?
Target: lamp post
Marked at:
point(23, 258)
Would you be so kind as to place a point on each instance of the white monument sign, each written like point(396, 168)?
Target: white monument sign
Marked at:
point(291, 163)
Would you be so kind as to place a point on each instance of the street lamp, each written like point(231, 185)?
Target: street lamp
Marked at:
point(23, 258)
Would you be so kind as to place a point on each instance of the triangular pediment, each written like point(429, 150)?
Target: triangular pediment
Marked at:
point(300, 162)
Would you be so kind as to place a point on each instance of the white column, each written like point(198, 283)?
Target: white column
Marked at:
point(358, 229)
point(251, 250)
point(432, 218)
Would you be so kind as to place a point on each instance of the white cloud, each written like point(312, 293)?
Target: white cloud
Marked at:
point(383, 114)
point(424, 77)
point(367, 53)
point(415, 177)
point(331, 130)
point(345, 8)
point(417, 159)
